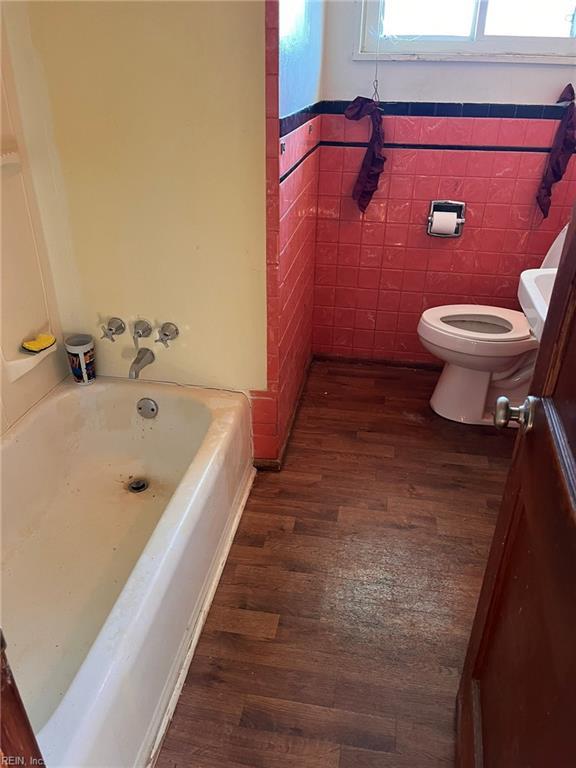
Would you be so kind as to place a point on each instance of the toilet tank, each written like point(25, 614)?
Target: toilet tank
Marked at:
point(552, 258)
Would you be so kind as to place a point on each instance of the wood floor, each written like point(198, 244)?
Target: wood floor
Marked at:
point(339, 627)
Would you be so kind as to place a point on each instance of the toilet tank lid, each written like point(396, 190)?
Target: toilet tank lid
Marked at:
point(552, 258)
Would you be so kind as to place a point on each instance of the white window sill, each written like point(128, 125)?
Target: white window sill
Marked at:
point(473, 58)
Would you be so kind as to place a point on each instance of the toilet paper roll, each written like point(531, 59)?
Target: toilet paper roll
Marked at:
point(444, 223)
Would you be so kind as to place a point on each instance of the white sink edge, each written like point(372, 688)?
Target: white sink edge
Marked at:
point(531, 299)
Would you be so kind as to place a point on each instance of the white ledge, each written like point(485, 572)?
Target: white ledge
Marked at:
point(15, 369)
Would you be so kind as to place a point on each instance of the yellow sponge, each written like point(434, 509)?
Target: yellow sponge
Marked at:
point(39, 344)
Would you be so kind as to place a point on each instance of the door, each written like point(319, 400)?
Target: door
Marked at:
point(517, 696)
point(18, 744)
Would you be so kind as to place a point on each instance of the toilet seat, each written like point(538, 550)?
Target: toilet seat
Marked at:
point(501, 324)
point(477, 329)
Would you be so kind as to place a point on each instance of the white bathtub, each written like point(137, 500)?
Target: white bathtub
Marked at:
point(105, 591)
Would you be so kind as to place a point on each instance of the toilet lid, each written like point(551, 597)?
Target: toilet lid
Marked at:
point(477, 321)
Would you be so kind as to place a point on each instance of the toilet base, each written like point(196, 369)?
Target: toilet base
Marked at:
point(469, 396)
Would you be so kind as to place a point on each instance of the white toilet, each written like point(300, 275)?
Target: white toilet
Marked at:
point(487, 352)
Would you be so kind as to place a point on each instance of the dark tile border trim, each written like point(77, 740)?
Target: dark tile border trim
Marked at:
point(427, 109)
point(306, 155)
point(457, 147)
point(391, 145)
point(290, 123)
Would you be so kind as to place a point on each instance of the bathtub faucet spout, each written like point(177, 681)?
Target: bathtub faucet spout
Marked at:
point(143, 358)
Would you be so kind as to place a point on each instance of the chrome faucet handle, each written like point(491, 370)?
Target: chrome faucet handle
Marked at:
point(167, 332)
point(142, 329)
point(115, 327)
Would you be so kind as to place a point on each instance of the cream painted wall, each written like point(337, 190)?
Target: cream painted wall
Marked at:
point(344, 78)
point(159, 135)
point(27, 304)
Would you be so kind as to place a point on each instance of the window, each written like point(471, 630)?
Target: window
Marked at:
point(475, 30)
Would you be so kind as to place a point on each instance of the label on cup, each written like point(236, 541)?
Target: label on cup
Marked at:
point(81, 357)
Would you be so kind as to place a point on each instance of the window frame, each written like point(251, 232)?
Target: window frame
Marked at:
point(476, 48)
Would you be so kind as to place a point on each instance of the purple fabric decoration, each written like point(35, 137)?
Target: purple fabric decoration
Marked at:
point(563, 147)
point(373, 163)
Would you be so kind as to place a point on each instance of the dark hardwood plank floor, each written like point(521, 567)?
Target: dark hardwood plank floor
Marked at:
point(339, 627)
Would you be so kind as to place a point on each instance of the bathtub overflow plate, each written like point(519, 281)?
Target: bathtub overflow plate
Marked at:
point(147, 408)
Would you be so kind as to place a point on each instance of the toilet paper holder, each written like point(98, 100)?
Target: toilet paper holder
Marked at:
point(447, 206)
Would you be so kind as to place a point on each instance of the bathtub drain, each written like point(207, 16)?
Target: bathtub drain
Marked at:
point(138, 485)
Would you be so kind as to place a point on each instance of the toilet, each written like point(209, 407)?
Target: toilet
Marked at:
point(487, 352)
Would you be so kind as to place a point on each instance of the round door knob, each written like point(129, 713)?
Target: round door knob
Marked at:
point(504, 413)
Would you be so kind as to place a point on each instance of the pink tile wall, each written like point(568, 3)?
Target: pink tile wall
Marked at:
point(265, 403)
point(291, 237)
point(295, 145)
point(298, 195)
point(290, 279)
point(375, 273)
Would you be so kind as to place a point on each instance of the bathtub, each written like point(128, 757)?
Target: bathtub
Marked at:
point(105, 590)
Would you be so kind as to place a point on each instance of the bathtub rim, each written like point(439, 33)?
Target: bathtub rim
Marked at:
point(68, 383)
point(182, 663)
